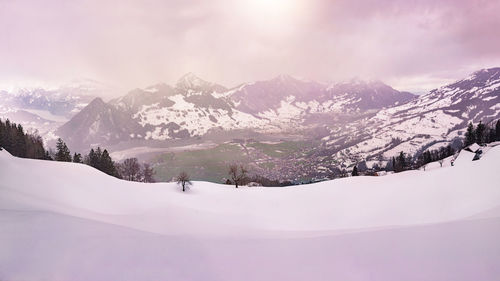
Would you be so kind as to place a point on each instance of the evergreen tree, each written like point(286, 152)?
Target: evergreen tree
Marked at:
point(20, 141)
point(47, 156)
point(107, 165)
point(62, 151)
point(77, 158)
point(20, 144)
point(3, 134)
point(427, 157)
point(449, 151)
point(101, 160)
point(497, 130)
point(470, 135)
point(8, 142)
point(355, 171)
point(400, 162)
point(480, 130)
point(91, 159)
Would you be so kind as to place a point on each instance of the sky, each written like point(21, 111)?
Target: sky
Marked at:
point(409, 44)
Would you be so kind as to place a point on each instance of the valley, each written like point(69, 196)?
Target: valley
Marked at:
point(284, 129)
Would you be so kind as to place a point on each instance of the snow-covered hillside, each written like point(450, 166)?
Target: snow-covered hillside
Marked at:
point(431, 120)
point(65, 221)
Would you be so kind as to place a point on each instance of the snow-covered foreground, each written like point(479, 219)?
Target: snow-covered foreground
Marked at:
point(64, 221)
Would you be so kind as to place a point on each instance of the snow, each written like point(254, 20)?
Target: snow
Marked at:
point(66, 221)
point(194, 119)
point(474, 147)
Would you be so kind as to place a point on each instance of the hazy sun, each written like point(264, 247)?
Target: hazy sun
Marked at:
point(272, 6)
point(272, 15)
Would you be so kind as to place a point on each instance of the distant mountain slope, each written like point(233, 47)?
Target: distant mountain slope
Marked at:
point(45, 109)
point(98, 123)
point(437, 118)
point(195, 107)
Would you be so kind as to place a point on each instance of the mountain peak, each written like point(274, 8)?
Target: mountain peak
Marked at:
point(286, 78)
point(190, 80)
point(97, 102)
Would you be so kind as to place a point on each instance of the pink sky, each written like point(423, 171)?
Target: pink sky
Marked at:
point(412, 45)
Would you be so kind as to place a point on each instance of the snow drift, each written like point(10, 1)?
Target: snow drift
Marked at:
point(65, 221)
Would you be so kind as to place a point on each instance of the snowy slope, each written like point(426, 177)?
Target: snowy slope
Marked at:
point(65, 221)
point(435, 119)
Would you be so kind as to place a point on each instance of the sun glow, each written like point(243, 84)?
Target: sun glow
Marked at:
point(274, 7)
point(271, 15)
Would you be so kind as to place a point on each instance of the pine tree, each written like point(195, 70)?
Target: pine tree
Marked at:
point(20, 141)
point(470, 135)
point(427, 157)
point(20, 144)
point(62, 151)
point(497, 130)
point(77, 158)
point(355, 171)
point(401, 162)
point(3, 132)
point(480, 130)
point(107, 165)
point(90, 159)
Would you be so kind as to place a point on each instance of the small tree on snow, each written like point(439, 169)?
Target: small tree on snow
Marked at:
point(238, 174)
point(441, 161)
point(183, 180)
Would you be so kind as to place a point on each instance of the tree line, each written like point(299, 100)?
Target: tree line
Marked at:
point(30, 145)
point(482, 133)
point(21, 144)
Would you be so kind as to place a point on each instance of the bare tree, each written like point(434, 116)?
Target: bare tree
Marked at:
point(238, 174)
point(148, 173)
point(131, 170)
point(184, 180)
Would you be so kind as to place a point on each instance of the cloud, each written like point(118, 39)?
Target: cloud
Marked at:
point(137, 43)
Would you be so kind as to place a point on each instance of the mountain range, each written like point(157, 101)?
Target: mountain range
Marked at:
point(194, 108)
point(45, 109)
point(329, 126)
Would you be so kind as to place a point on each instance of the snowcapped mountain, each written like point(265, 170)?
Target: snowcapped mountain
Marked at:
point(46, 109)
point(101, 117)
point(195, 107)
point(432, 120)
